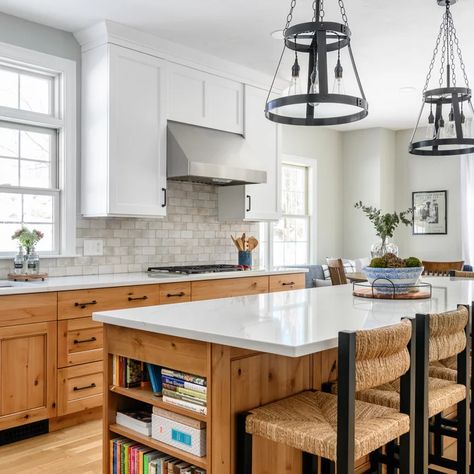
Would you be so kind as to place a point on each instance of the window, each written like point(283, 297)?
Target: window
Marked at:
point(287, 242)
point(37, 149)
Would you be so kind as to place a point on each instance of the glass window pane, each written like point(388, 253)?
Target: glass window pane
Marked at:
point(9, 142)
point(301, 253)
point(46, 243)
point(8, 88)
point(37, 208)
point(8, 172)
point(35, 145)
point(6, 242)
point(35, 93)
point(301, 230)
point(289, 249)
point(35, 174)
point(10, 207)
point(278, 254)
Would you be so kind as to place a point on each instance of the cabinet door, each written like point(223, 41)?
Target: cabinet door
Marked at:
point(262, 200)
point(137, 134)
point(203, 99)
point(27, 373)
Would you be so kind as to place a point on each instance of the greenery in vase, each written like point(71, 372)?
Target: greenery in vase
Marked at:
point(385, 224)
point(389, 260)
point(27, 238)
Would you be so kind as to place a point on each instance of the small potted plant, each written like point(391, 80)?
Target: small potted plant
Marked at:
point(390, 274)
point(28, 240)
point(385, 225)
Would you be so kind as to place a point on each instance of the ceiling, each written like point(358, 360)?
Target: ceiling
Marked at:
point(392, 40)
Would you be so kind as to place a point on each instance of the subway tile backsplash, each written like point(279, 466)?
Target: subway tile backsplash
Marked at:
point(190, 234)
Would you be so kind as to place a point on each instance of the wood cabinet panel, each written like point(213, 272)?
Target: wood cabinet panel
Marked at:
point(210, 289)
point(79, 341)
point(81, 303)
point(80, 387)
point(27, 373)
point(293, 281)
point(30, 308)
point(175, 292)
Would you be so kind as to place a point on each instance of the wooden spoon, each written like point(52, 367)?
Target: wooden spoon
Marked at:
point(253, 242)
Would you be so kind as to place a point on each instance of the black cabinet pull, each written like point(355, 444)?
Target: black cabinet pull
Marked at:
point(92, 385)
point(250, 202)
point(164, 197)
point(181, 293)
point(136, 298)
point(288, 284)
point(82, 341)
point(84, 305)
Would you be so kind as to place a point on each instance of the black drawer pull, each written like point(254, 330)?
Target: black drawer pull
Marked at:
point(92, 385)
point(290, 283)
point(171, 295)
point(82, 341)
point(84, 305)
point(136, 298)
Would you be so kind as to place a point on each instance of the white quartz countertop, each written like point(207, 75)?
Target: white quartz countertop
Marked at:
point(126, 279)
point(293, 323)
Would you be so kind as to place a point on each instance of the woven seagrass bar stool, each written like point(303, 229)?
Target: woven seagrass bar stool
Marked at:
point(338, 428)
point(438, 337)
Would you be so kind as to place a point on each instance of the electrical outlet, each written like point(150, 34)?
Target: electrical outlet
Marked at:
point(93, 248)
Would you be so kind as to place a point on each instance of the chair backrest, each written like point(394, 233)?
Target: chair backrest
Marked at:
point(336, 271)
point(441, 268)
point(381, 355)
point(461, 274)
point(447, 336)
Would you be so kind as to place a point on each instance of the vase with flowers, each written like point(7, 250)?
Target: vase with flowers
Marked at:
point(385, 225)
point(28, 240)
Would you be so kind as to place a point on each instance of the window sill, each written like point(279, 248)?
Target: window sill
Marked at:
point(43, 257)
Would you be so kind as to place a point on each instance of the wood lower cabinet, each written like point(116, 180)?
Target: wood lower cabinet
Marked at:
point(25, 309)
point(286, 282)
point(175, 292)
point(210, 289)
point(80, 387)
point(27, 373)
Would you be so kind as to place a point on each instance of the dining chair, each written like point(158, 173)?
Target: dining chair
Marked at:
point(336, 271)
point(441, 268)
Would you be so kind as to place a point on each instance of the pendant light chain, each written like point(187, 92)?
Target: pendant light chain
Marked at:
point(343, 12)
point(433, 59)
point(459, 53)
point(289, 17)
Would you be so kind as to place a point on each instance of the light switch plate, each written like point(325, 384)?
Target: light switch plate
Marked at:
point(93, 247)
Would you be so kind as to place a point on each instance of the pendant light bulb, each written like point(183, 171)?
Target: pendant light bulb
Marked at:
point(295, 82)
point(451, 126)
point(430, 129)
point(314, 80)
point(441, 129)
point(338, 87)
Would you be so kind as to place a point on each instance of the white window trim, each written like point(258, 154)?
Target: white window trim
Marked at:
point(64, 119)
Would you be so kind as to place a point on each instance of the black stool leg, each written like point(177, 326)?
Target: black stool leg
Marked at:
point(391, 457)
point(244, 446)
point(327, 466)
point(375, 467)
point(437, 437)
point(309, 464)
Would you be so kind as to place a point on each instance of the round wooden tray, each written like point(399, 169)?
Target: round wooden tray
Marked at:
point(418, 292)
point(27, 277)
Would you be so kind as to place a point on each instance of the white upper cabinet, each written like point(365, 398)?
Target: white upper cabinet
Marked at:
point(256, 202)
point(203, 99)
point(123, 133)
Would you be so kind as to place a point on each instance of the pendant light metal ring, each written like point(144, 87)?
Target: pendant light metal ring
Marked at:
point(444, 95)
point(415, 148)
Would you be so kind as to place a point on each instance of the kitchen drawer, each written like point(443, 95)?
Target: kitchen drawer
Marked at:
point(79, 341)
point(292, 281)
point(80, 387)
point(175, 292)
point(81, 303)
point(30, 308)
point(210, 289)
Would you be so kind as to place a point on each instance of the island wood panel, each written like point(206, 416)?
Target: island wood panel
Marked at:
point(30, 308)
point(175, 292)
point(79, 341)
point(293, 281)
point(82, 303)
point(178, 353)
point(212, 289)
point(27, 373)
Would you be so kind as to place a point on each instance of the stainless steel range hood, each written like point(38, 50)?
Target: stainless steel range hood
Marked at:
point(209, 156)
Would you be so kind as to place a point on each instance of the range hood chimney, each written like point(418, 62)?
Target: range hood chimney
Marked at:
point(208, 156)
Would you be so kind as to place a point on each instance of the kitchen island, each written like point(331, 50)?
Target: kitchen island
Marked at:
point(252, 350)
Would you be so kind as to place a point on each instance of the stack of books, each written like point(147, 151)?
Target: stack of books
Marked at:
point(129, 457)
point(184, 390)
point(127, 372)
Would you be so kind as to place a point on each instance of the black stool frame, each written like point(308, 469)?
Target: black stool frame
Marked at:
point(346, 397)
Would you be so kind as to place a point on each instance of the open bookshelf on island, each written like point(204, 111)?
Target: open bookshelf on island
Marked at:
point(176, 354)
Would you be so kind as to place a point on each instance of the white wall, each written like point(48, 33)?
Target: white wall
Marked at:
point(324, 147)
point(368, 173)
point(418, 173)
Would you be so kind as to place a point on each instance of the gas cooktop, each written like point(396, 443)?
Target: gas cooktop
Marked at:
point(195, 269)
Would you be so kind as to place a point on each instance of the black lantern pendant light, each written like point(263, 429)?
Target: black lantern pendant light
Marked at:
point(318, 106)
point(448, 108)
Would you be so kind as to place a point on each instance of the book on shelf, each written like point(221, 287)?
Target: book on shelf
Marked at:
point(139, 421)
point(185, 404)
point(126, 372)
point(185, 391)
point(184, 397)
point(129, 457)
point(171, 381)
point(184, 376)
point(154, 374)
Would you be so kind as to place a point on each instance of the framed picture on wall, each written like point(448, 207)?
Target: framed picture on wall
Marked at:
point(430, 214)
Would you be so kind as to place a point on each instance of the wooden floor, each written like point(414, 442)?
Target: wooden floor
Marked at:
point(75, 450)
